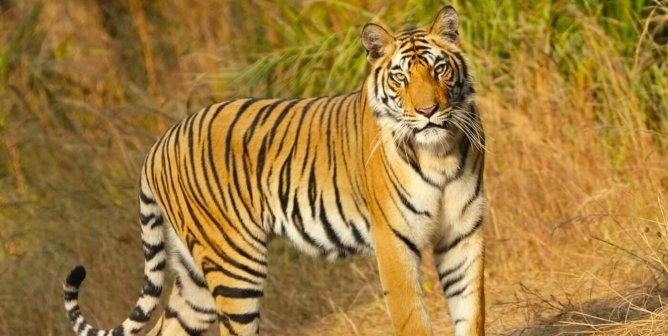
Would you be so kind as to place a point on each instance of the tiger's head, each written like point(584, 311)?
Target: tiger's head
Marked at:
point(420, 86)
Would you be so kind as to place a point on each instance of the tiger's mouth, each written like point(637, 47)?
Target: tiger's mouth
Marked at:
point(432, 125)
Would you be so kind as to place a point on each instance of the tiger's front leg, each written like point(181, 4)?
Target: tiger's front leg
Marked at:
point(459, 256)
point(460, 269)
point(398, 264)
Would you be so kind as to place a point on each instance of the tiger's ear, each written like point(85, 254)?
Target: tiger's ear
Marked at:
point(377, 41)
point(446, 24)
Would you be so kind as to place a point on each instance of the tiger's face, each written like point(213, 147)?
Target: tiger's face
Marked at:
point(420, 83)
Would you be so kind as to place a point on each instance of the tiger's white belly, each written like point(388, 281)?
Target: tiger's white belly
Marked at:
point(321, 229)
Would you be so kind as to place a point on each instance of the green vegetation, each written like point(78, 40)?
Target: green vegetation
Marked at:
point(574, 96)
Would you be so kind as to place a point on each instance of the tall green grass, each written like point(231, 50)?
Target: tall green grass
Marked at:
point(609, 46)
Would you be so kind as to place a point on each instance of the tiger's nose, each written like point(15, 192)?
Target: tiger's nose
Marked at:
point(427, 110)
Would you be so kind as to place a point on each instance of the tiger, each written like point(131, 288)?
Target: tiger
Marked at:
point(392, 170)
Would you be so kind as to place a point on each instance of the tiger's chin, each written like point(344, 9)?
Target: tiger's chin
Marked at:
point(432, 137)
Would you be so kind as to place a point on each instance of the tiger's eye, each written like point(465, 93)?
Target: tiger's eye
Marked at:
point(440, 69)
point(399, 77)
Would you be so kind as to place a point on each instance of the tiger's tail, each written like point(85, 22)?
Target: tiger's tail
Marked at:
point(153, 239)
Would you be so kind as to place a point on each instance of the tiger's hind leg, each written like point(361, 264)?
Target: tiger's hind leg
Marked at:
point(235, 272)
point(191, 309)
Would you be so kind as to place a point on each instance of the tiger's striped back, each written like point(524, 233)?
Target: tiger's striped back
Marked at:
point(280, 167)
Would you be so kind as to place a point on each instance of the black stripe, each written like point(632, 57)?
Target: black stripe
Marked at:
point(150, 289)
point(160, 266)
point(217, 268)
point(400, 190)
point(406, 241)
point(226, 258)
point(457, 292)
point(284, 185)
point(384, 99)
point(166, 184)
point(171, 313)
point(422, 59)
point(460, 238)
point(118, 331)
point(329, 231)
point(261, 161)
point(74, 315)
point(453, 281)
point(228, 138)
point(394, 201)
point(238, 190)
point(268, 113)
point(462, 62)
point(404, 58)
point(264, 111)
point(418, 48)
point(243, 267)
point(146, 199)
point(215, 196)
point(158, 222)
point(298, 221)
point(337, 195)
point(409, 31)
point(243, 318)
point(226, 322)
point(151, 250)
point(412, 162)
point(236, 293)
point(138, 315)
point(279, 119)
point(408, 204)
point(203, 310)
point(307, 149)
point(473, 197)
point(375, 82)
point(447, 272)
point(345, 140)
point(312, 188)
point(196, 278)
point(250, 131)
point(330, 144)
point(144, 219)
point(357, 235)
point(70, 296)
point(304, 111)
point(239, 250)
point(464, 149)
point(241, 221)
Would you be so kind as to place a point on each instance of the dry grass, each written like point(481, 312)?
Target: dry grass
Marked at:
point(575, 103)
